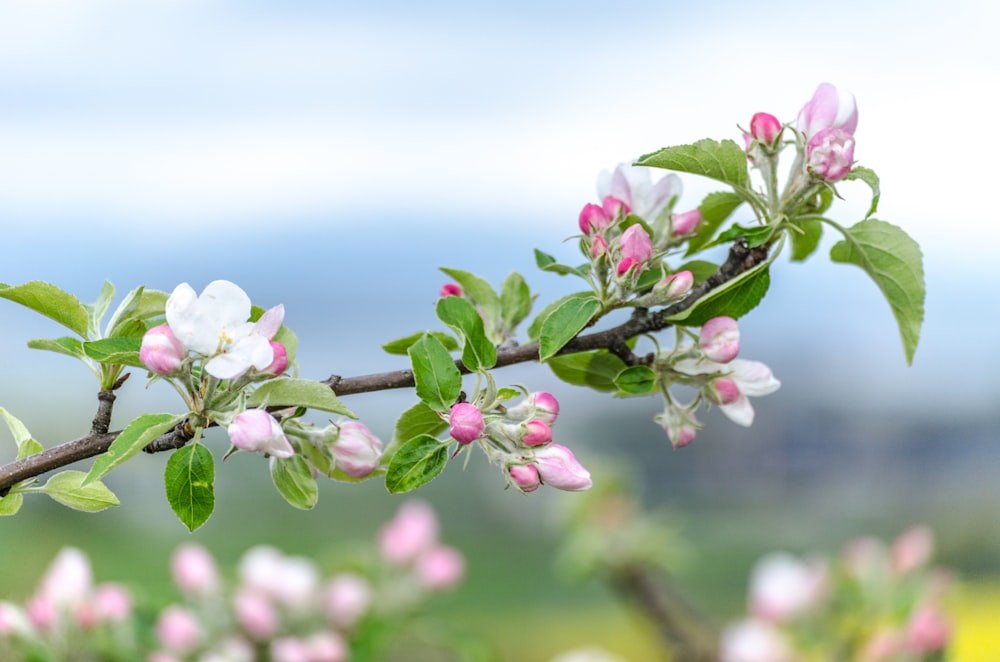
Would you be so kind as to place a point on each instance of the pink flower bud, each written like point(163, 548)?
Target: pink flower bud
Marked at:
point(256, 430)
point(327, 647)
point(723, 391)
point(357, 451)
point(466, 423)
point(613, 207)
point(112, 603)
point(42, 612)
point(558, 467)
point(928, 631)
point(593, 217)
point(830, 154)
point(675, 285)
point(624, 265)
point(256, 614)
point(635, 244)
point(537, 433)
point(828, 108)
point(539, 405)
point(912, 550)
point(686, 222)
point(525, 477)
point(348, 597)
point(413, 530)
point(68, 580)
point(451, 290)
point(440, 568)
point(280, 362)
point(177, 630)
point(161, 351)
point(290, 649)
point(194, 570)
point(598, 246)
point(765, 128)
point(720, 339)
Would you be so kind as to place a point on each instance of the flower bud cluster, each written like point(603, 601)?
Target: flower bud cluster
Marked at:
point(793, 601)
point(344, 449)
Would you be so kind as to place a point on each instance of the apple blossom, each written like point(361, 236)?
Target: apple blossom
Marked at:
point(558, 467)
point(524, 477)
point(194, 570)
point(685, 222)
point(593, 218)
point(679, 423)
point(828, 108)
point(440, 567)
point(928, 631)
point(160, 350)
point(720, 339)
point(291, 581)
point(752, 378)
point(539, 405)
point(257, 431)
point(280, 362)
point(178, 630)
point(723, 391)
point(13, 620)
point(413, 530)
point(751, 640)
point(536, 433)
point(782, 587)
point(633, 185)
point(348, 597)
point(356, 451)
point(451, 290)
point(830, 154)
point(675, 285)
point(112, 603)
point(68, 580)
point(256, 614)
point(465, 423)
point(599, 246)
point(614, 207)
point(765, 128)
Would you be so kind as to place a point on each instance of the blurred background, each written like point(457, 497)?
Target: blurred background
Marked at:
point(330, 156)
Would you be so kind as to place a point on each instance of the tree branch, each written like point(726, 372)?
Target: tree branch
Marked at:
point(740, 260)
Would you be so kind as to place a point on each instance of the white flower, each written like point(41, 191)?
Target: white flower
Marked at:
point(782, 586)
point(214, 325)
point(753, 378)
point(754, 641)
point(633, 185)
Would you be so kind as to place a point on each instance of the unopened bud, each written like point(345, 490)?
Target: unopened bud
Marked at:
point(720, 339)
point(280, 362)
point(525, 477)
point(161, 351)
point(537, 433)
point(559, 468)
point(451, 290)
point(686, 222)
point(614, 208)
point(593, 218)
point(465, 423)
point(674, 285)
point(357, 451)
point(256, 430)
point(765, 128)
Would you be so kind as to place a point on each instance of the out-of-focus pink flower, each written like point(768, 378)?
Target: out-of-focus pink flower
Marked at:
point(68, 580)
point(413, 530)
point(538, 405)
point(883, 646)
point(633, 185)
point(782, 587)
point(593, 218)
point(928, 631)
point(42, 612)
point(289, 649)
point(291, 581)
point(559, 468)
point(765, 128)
point(754, 641)
point(160, 350)
point(465, 423)
point(686, 222)
point(178, 630)
point(440, 568)
point(356, 451)
point(327, 646)
point(194, 570)
point(256, 430)
point(828, 108)
point(912, 550)
point(111, 603)
point(720, 339)
point(536, 433)
point(256, 614)
point(830, 154)
point(525, 477)
point(348, 597)
point(451, 290)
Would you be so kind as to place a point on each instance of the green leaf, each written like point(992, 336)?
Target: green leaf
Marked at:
point(49, 300)
point(515, 300)
point(715, 208)
point(805, 238)
point(119, 351)
point(535, 329)
point(734, 298)
point(416, 421)
point(753, 236)
point(402, 345)
point(189, 480)
point(130, 441)
point(96, 310)
point(481, 293)
point(546, 262)
point(869, 177)
point(463, 318)
point(10, 504)
point(289, 392)
point(294, 480)
point(438, 380)
point(893, 260)
point(26, 445)
point(65, 345)
point(416, 463)
point(724, 161)
point(702, 270)
point(596, 370)
point(69, 489)
point(636, 380)
point(563, 323)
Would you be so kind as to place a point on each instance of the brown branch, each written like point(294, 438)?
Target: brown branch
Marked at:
point(740, 260)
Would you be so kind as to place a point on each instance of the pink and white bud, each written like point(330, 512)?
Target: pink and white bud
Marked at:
point(440, 568)
point(536, 433)
point(280, 362)
point(912, 550)
point(451, 290)
point(635, 244)
point(599, 246)
point(593, 218)
point(413, 530)
point(356, 451)
point(524, 477)
point(765, 128)
point(720, 339)
point(751, 640)
point(194, 570)
point(465, 423)
point(675, 285)
point(348, 597)
point(722, 391)
point(111, 603)
point(830, 154)
point(782, 587)
point(256, 614)
point(539, 405)
point(161, 351)
point(680, 425)
point(68, 580)
point(178, 630)
point(257, 431)
point(559, 468)
point(42, 612)
point(686, 222)
point(928, 631)
point(828, 108)
point(614, 207)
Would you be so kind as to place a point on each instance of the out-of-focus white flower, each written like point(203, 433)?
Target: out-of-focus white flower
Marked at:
point(751, 640)
point(783, 586)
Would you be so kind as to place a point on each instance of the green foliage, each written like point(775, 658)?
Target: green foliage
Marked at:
point(636, 380)
point(715, 208)
point(189, 480)
point(130, 441)
point(893, 260)
point(481, 293)
point(804, 237)
point(65, 345)
point(417, 462)
point(10, 504)
point(437, 378)
point(596, 370)
point(563, 323)
point(96, 310)
point(753, 236)
point(416, 421)
point(734, 298)
point(294, 480)
point(869, 177)
point(119, 351)
point(400, 346)
point(52, 302)
point(546, 262)
point(515, 300)
point(463, 318)
point(26, 445)
point(71, 489)
point(723, 161)
point(288, 392)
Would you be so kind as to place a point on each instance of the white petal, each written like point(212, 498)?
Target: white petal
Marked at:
point(753, 377)
point(739, 412)
point(227, 366)
point(224, 304)
point(698, 367)
point(270, 322)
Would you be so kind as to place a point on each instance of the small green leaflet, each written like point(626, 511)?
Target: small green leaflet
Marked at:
point(636, 380)
point(563, 323)
point(481, 292)
point(189, 480)
point(724, 161)
point(294, 480)
point(401, 345)
point(121, 351)
point(65, 345)
point(130, 441)
point(893, 260)
point(288, 392)
point(68, 488)
point(49, 300)
point(546, 262)
point(515, 300)
point(437, 378)
point(26, 446)
point(463, 318)
point(10, 504)
point(734, 298)
point(869, 177)
point(417, 462)
point(804, 237)
point(96, 310)
point(416, 421)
